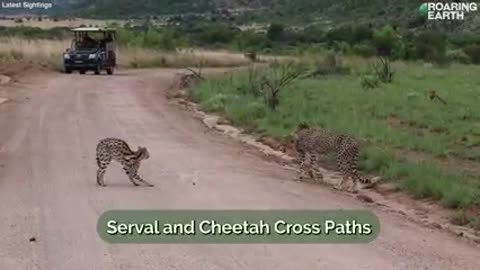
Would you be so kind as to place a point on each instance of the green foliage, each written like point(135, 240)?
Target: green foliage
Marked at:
point(163, 40)
point(217, 33)
point(35, 32)
point(129, 8)
point(314, 34)
point(341, 46)
point(462, 39)
point(431, 46)
point(276, 32)
point(369, 81)
point(359, 39)
point(331, 64)
point(365, 49)
point(380, 72)
point(383, 70)
point(336, 34)
point(387, 42)
point(250, 40)
point(279, 77)
point(458, 56)
point(350, 34)
point(473, 51)
point(407, 134)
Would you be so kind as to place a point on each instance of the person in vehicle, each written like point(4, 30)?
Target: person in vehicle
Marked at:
point(88, 42)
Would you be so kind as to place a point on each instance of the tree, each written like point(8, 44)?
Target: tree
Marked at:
point(275, 31)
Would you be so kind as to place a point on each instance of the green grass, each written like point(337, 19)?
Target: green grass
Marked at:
point(392, 119)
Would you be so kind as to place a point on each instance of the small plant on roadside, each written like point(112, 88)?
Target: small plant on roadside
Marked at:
point(188, 79)
point(272, 84)
point(253, 82)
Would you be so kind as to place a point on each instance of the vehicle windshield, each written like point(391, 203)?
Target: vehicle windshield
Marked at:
point(83, 45)
point(87, 43)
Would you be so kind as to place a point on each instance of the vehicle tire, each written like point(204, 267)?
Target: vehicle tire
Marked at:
point(82, 72)
point(68, 71)
point(97, 70)
point(110, 71)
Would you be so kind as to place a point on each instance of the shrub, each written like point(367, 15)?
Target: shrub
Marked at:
point(166, 39)
point(275, 31)
point(332, 63)
point(387, 42)
point(361, 33)
point(280, 77)
point(369, 81)
point(341, 46)
point(473, 51)
point(313, 34)
point(217, 33)
point(252, 41)
point(464, 39)
point(431, 46)
point(365, 50)
point(351, 34)
point(383, 70)
point(458, 56)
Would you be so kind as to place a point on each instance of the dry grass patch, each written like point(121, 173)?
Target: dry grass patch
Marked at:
point(49, 53)
point(50, 23)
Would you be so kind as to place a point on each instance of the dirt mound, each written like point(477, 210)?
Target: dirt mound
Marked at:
point(4, 79)
point(16, 71)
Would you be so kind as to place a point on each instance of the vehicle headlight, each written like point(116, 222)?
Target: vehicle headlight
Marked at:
point(92, 56)
point(66, 56)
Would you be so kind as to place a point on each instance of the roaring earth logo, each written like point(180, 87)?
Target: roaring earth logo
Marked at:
point(446, 10)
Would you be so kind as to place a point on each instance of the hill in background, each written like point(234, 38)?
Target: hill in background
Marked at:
point(400, 13)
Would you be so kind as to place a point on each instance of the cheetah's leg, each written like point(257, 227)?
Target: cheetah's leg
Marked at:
point(354, 173)
point(305, 166)
point(313, 171)
point(102, 161)
point(343, 164)
point(301, 160)
point(134, 177)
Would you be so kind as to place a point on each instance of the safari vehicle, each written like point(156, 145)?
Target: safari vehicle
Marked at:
point(92, 49)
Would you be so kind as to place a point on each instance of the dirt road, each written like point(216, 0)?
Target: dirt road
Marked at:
point(48, 133)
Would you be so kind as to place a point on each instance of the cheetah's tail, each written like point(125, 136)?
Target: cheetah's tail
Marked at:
point(361, 179)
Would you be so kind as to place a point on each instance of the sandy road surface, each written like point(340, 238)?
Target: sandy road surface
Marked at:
point(48, 133)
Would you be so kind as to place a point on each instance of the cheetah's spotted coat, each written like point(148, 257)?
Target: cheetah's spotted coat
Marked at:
point(311, 142)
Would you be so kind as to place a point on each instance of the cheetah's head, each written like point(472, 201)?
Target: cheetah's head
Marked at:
point(145, 153)
point(293, 136)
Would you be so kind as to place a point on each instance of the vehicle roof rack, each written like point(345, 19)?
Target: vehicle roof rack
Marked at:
point(92, 29)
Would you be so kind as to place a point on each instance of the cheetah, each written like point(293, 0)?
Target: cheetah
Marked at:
point(109, 149)
point(310, 142)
